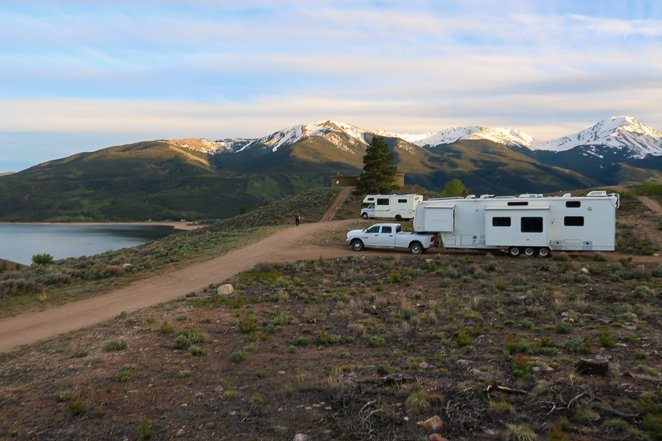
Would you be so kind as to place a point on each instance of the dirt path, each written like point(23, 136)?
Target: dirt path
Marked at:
point(650, 204)
point(287, 245)
point(340, 199)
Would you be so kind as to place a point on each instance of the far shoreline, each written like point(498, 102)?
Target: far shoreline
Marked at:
point(184, 226)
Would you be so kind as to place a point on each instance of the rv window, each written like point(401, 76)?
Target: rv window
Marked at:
point(573, 221)
point(374, 229)
point(500, 221)
point(573, 204)
point(531, 225)
point(402, 201)
point(387, 230)
point(382, 201)
point(517, 203)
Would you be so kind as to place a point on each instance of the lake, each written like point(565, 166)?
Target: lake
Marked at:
point(19, 242)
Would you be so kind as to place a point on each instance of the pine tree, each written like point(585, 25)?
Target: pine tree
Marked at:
point(454, 187)
point(378, 172)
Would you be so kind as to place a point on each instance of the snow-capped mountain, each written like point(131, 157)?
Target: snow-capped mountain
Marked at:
point(500, 135)
point(633, 138)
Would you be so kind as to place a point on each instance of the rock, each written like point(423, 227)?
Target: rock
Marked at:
point(592, 366)
point(629, 326)
point(300, 437)
point(424, 365)
point(225, 290)
point(180, 432)
point(584, 270)
point(432, 424)
point(436, 437)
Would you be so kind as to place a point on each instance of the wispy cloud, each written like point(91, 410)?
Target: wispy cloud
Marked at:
point(242, 68)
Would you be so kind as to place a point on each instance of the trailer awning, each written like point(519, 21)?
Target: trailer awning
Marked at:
point(518, 208)
point(439, 207)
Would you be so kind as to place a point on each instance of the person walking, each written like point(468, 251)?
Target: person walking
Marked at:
point(297, 219)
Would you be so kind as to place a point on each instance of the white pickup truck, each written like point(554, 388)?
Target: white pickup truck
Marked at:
point(390, 236)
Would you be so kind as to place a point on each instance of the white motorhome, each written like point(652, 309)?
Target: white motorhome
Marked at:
point(529, 223)
point(390, 206)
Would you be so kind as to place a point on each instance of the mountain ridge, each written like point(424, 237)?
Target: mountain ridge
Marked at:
point(619, 132)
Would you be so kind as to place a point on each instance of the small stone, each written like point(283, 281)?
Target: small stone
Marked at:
point(180, 432)
point(584, 270)
point(432, 424)
point(199, 394)
point(281, 372)
point(219, 389)
point(629, 326)
point(225, 290)
point(300, 437)
point(127, 265)
point(210, 425)
point(436, 437)
point(424, 365)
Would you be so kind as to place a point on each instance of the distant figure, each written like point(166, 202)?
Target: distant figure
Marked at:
point(297, 219)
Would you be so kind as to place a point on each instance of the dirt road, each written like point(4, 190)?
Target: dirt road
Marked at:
point(287, 245)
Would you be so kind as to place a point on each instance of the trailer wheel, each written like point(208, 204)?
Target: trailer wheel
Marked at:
point(529, 252)
point(543, 252)
point(416, 248)
point(357, 245)
point(398, 217)
point(364, 215)
point(514, 251)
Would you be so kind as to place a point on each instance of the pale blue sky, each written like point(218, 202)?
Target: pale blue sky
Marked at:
point(81, 75)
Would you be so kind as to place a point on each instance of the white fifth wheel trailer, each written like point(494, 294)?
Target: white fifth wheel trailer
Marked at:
point(529, 223)
point(390, 206)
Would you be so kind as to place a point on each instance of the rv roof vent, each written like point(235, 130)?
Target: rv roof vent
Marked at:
point(471, 196)
point(486, 196)
point(529, 195)
point(597, 193)
point(567, 195)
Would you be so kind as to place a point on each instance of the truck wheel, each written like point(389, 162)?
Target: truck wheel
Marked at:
point(514, 251)
point(543, 252)
point(416, 248)
point(398, 217)
point(357, 245)
point(364, 215)
point(529, 252)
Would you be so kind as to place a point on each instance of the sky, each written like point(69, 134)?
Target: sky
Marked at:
point(79, 75)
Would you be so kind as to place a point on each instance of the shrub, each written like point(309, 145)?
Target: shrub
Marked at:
point(239, 356)
point(418, 401)
point(123, 376)
point(114, 345)
point(376, 341)
point(643, 291)
point(326, 339)
point(196, 351)
point(42, 259)
point(76, 407)
point(519, 432)
point(184, 373)
point(166, 327)
point(599, 257)
point(247, 324)
point(564, 328)
point(606, 339)
point(144, 430)
point(462, 338)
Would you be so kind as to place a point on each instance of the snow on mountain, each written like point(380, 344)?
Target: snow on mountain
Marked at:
point(500, 135)
point(619, 132)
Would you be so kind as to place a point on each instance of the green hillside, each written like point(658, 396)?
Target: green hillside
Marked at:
point(488, 167)
point(162, 180)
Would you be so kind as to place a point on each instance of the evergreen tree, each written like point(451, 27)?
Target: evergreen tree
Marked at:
point(378, 172)
point(454, 187)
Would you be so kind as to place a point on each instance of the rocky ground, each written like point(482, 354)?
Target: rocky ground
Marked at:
point(362, 348)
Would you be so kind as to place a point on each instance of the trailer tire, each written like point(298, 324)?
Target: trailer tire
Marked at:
point(364, 215)
point(398, 218)
point(357, 245)
point(514, 251)
point(529, 252)
point(544, 252)
point(416, 248)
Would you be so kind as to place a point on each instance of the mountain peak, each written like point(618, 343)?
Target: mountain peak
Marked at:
point(500, 135)
point(619, 132)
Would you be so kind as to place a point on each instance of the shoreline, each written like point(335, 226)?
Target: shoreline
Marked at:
point(184, 226)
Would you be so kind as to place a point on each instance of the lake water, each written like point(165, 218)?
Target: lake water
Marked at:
point(19, 242)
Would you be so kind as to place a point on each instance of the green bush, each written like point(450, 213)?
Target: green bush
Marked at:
point(114, 345)
point(42, 259)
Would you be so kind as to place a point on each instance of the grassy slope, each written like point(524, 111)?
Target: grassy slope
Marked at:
point(74, 278)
